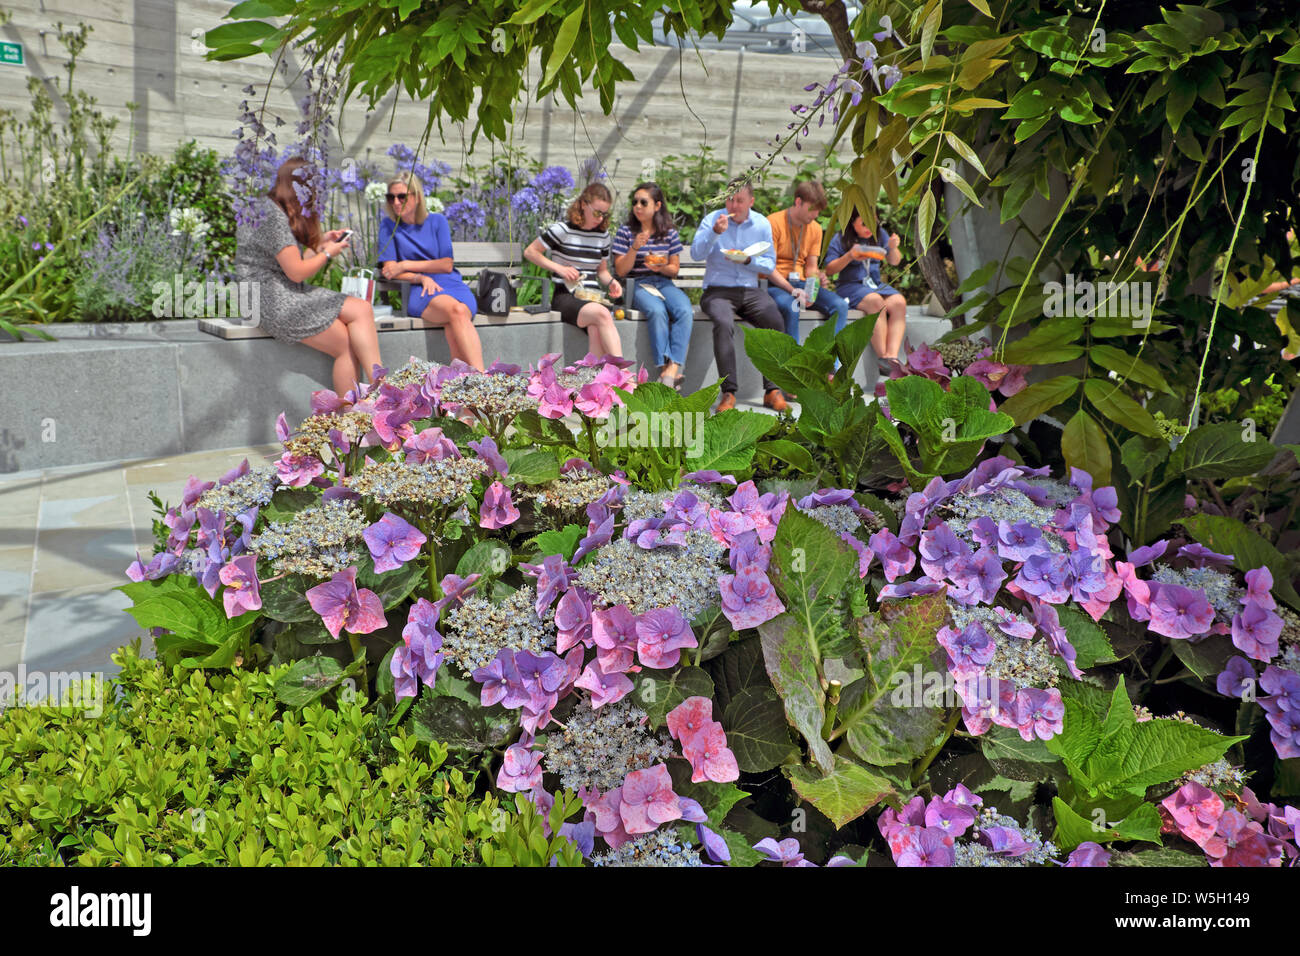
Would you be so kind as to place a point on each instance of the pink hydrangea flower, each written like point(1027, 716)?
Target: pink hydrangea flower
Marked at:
point(660, 635)
point(648, 800)
point(497, 510)
point(392, 542)
point(343, 607)
point(605, 688)
point(1180, 612)
point(241, 593)
point(1255, 631)
point(748, 598)
point(521, 770)
point(710, 757)
point(430, 445)
point(1041, 713)
point(1195, 810)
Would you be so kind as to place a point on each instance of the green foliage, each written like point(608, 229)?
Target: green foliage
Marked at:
point(951, 425)
point(1112, 760)
point(183, 769)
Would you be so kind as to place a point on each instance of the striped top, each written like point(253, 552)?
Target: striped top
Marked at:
point(568, 245)
point(667, 246)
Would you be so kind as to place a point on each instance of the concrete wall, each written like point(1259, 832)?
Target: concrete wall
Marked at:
point(150, 52)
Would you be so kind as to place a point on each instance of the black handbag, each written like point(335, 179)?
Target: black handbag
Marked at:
point(496, 295)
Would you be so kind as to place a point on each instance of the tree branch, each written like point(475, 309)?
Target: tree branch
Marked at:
point(837, 18)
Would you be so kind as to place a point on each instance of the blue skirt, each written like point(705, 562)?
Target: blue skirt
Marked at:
point(417, 300)
point(855, 292)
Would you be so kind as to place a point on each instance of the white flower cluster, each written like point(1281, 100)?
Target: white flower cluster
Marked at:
point(189, 221)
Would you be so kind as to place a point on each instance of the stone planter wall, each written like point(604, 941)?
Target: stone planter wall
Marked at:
point(115, 392)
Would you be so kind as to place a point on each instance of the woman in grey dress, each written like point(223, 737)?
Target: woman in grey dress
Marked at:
point(341, 326)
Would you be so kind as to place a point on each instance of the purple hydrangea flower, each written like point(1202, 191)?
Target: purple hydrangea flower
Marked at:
point(241, 593)
point(521, 770)
point(416, 660)
point(1089, 854)
point(1180, 612)
point(392, 542)
point(1255, 630)
point(748, 597)
point(343, 607)
point(497, 510)
point(896, 557)
point(661, 634)
point(1237, 678)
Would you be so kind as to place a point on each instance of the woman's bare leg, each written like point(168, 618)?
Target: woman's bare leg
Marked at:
point(453, 317)
point(359, 318)
point(601, 333)
point(335, 343)
point(873, 304)
point(896, 320)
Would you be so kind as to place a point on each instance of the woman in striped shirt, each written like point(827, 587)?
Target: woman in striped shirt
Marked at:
point(577, 245)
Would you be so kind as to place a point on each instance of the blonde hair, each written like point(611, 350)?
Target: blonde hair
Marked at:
point(413, 188)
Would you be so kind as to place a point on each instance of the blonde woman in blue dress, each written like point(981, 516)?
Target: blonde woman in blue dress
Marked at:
point(415, 247)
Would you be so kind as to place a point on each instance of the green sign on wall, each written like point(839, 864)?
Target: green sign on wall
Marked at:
point(11, 53)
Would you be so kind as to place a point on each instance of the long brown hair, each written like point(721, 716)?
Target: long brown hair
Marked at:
point(305, 229)
point(593, 192)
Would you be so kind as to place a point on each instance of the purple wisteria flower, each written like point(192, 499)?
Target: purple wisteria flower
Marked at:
point(392, 542)
point(343, 607)
point(748, 597)
point(497, 511)
point(241, 593)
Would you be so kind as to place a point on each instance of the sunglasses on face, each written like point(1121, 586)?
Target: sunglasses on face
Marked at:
point(598, 213)
point(642, 202)
point(397, 197)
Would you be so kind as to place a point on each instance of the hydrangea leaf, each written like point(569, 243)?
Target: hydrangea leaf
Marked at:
point(887, 715)
point(658, 692)
point(1249, 550)
point(547, 431)
point(1072, 829)
point(852, 340)
point(736, 669)
point(485, 557)
point(792, 666)
point(713, 631)
point(530, 466)
point(1205, 658)
point(393, 587)
point(307, 680)
point(1164, 856)
point(844, 794)
point(563, 542)
point(729, 440)
point(287, 502)
point(811, 569)
point(1089, 641)
point(650, 397)
point(1013, 757)
point(772, 352)
point(1220, 450)
point(459, 725)
point(180, 605)
point(757, 732)
point(791, 453)
point(284, 599)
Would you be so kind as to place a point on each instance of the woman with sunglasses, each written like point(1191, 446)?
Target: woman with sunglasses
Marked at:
point(648, 248)
point(415, 247)
point(577, 245)
point(341, 326)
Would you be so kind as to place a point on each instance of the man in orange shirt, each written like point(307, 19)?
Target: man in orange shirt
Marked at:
point(797, 242)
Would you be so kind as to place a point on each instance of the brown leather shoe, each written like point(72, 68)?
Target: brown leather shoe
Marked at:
point(775, 400)
point(728, 401)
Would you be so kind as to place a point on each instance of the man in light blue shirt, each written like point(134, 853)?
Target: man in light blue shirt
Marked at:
point(731, 289)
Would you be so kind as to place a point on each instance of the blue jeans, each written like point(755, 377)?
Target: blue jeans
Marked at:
point(827, 302)
point(668, 342)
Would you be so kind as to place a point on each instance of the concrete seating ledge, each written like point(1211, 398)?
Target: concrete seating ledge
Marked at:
point(105, 392)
